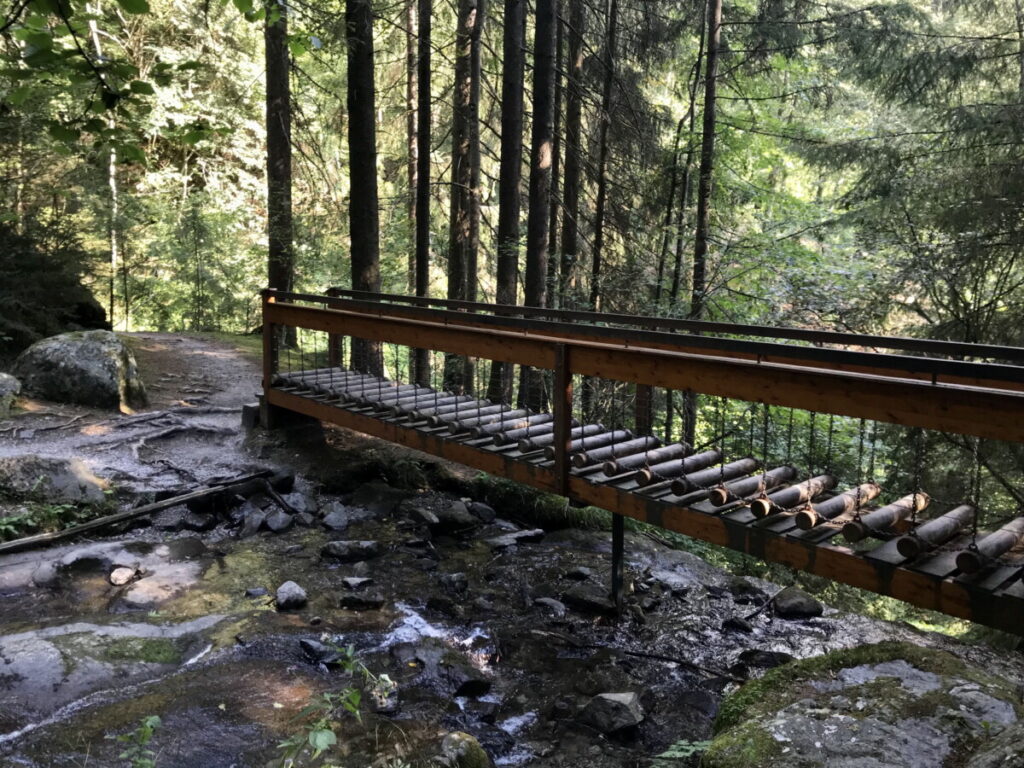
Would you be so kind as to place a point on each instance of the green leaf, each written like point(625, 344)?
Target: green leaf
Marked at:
point(18, 96)
point(134, 6)
point(244, 6)
point(297, 46)
point(63, 133)
point(322, 739)
point(131, 153)
point(141, 86)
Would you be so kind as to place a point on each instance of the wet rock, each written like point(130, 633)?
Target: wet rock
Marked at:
point(445, 606)
point(252, 522)
point(10, 388)
point(52, 479)
point(465, 679)
point(483, 512)
point(460, 750)
point(1004, 751)
point(290, 596)
point(378, 498)
point(611, 712)
point(350, 551)
point(319, 653)
point(119, 577)
point(300, 502)
point(195, 521)
point(884, 705)
point(92, 368)
point(745, 593)
point(589, 600)
point(257, 592)
point(356, 582)
point(794, 603)
point(337, 518)
point(579, 573)
point(755, 657)
point(305, 519)
point(513, 538)
point(737, 624)
point(455, 583)
point(455, 518)
point(555, 606)
point(279, 521)
point(361, 601)
point(419, 511)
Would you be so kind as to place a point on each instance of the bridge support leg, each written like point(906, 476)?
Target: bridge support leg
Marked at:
point(618, 554)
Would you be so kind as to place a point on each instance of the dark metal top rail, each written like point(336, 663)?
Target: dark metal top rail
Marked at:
point(525, 319)
point(813, 336)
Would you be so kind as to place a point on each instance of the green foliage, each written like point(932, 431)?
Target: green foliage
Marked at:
point(136, 743)
point(680, 751)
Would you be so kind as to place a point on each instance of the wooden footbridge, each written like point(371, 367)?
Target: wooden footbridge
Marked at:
point(565, 402)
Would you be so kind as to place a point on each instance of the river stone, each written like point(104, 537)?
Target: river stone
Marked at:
point(300, 502)
point(460, 750)
point(279, 521)
point(455, 518)
point(507, 540)
point(290, 595)
point(337, 517)
point(350, 551)
point(611, 712)
point(253, 521)
point(378, 498)
point(456, 583)
point(51, 479)
point(794, 603)
point(555, 606)
point(319, 653)
point(119, 577)
point(305, 519)
point(484, 512)
point(10, 388)
point(198, 522)
point(92, 368)
point(887, 705)
point(356, 582)
point(361, 601)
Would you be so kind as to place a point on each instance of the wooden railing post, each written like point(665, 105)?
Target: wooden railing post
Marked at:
point(270, 353)
point(561, 395)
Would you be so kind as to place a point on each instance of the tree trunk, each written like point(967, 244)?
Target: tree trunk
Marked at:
point(551, 290)
point(362, 144)
point(410, 136)
point(602, 158)
point(707, 162)
point(464, 221)
point(573, 153)
point(421, 357)
point(500, 386)
point(670, 201)
point(531, 388)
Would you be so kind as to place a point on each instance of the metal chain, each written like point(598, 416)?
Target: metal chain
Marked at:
point(860, 466)
point(918, 459)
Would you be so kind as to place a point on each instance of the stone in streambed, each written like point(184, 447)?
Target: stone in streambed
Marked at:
point(350, 551)
point(279, 521)
point(611, 712)
point(793, 603)
point(290, 596)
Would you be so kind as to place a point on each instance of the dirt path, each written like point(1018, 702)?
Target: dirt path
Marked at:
point(190, 432)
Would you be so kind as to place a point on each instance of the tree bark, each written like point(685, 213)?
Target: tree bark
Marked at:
point(573, 153)
point(707, 162)
point(670, 200)
point(510, 177)
point(551, 290)
point(531, 388)
point(464, 219)
point(602, 159)
point(362, 141)
point(421, 357)
point(410, 136)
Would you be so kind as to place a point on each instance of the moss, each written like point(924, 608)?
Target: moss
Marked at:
point(748, 746)
point(541, 509)
point(152, 650)
point(783, 685)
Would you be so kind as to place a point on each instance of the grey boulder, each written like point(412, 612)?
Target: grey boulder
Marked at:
point(290, 596)
point(51, 479)
point(611, 712)
point(92, 368)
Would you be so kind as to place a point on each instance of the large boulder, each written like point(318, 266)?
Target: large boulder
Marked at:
point(85, 367)
point(10, 388)
point(889, 705)
point(51, 479)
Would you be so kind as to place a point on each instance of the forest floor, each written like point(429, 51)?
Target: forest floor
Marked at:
point(506, 642)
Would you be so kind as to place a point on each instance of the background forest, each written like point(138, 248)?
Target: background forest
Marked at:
point(866, 165)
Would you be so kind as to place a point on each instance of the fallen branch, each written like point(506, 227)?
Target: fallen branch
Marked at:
point(243, 485)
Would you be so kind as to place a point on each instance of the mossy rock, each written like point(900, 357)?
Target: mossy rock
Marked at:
point(888, 704)
point(460, 750)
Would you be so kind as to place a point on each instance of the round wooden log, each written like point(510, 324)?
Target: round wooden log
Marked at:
point(740, 489)
point(595, 455)
point(591, 442)
point(387, 397)
point(546, 437)
point(355, 392)
point(669, 469)
point(885, 517)
point(792, 496)
point(697, 481)
point(504, 424)
point(626, 463)
point(469, 423)
point(816, 514)
point(451, 411)
point(409, 405)
point(934, 533)
point(429, 406)
point(990, 547)
point(465, 412)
